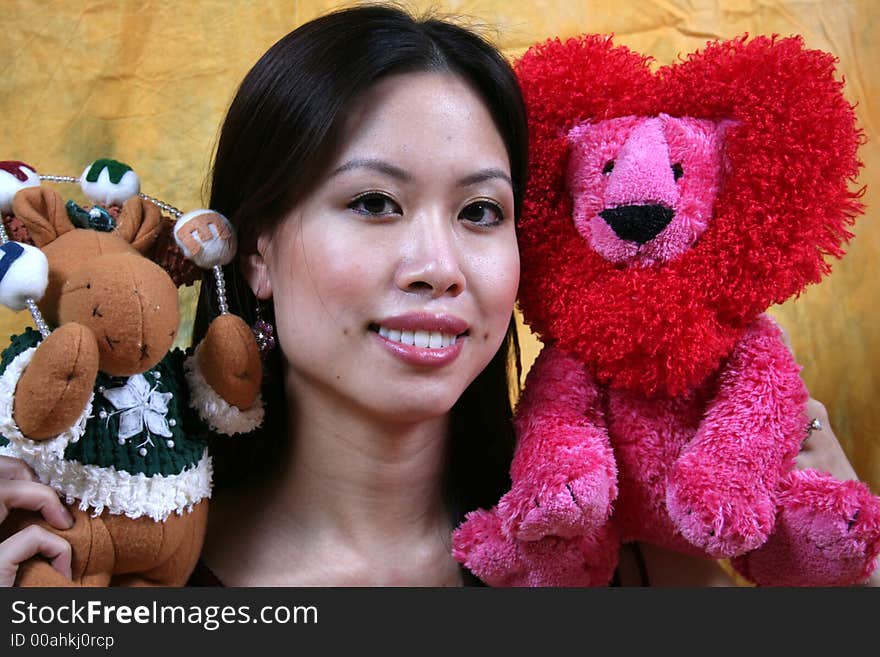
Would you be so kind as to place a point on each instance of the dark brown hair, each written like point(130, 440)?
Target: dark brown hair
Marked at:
point(275, 143)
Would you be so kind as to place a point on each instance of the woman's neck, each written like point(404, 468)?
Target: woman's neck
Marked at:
point(362, 478)
point(359, 502)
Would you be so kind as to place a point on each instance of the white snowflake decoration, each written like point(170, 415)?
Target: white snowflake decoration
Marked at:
point(141, 406)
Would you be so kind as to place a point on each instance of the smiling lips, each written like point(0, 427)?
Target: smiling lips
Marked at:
point(422, 339)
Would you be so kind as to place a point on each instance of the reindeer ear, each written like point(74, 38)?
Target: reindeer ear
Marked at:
point(139, 223)
point(42, 212)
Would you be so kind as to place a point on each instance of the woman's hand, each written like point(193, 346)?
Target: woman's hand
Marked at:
point(19, 489)
point(821, 450)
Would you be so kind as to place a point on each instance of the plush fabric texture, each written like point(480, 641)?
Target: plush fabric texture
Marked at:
point(131, 306)
point(55, 387)
point(111, 550)
point(229, 361)
point(665, 213)
point(158, 467)
point(215, 410)
point(15, 359)
point(783, 206)
point(636, 163)
point(14, 176)
point(24, 274)
point(15, 230)
point(101, 409)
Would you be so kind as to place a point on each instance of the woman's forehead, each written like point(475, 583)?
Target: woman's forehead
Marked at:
point(421, 120)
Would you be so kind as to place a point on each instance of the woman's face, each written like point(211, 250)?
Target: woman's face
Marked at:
point(394, 281)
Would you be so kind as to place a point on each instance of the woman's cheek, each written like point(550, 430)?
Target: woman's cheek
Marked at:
point(497, 278)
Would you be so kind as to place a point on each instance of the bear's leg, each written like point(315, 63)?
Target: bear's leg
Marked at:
point(580, 561)
point(93, 553)
point(480, 544)
point(827, 533)
point(175, 546)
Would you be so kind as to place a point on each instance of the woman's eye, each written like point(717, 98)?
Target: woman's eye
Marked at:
point(483, 213)
point(375, 204)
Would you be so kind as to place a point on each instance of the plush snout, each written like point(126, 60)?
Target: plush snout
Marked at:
point(131, 306)
point(638, 223)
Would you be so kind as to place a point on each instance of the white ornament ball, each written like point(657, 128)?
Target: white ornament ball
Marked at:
point(206, 237)
point(97, 182)
point(24, 274)
point(11, 174)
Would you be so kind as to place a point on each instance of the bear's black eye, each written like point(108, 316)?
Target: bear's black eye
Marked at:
point(677, 171)
point(609, 167)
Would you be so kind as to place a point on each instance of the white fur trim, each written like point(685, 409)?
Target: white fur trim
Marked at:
point(52, 448)
point(120, 492)
point(213, 409)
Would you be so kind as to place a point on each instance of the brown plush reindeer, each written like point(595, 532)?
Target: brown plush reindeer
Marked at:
point(106, 412)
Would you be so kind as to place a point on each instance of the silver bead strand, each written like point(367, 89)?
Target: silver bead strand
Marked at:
point(37, 316)
point(221, 289)
point(170, 209)
point(65, 179)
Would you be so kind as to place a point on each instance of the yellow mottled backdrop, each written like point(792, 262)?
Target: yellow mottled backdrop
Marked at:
point(148, 83)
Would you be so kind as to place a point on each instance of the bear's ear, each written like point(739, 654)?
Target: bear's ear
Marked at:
point(42, 212)
point(139, 223)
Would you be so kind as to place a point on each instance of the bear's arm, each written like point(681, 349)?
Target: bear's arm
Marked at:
point(564, 476)
point(560, 409)
point(721, 490)
point(755, 424)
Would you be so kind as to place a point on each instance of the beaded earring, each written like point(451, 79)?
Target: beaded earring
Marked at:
point(264, 332)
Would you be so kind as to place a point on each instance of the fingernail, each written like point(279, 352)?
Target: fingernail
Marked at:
point(69, 518)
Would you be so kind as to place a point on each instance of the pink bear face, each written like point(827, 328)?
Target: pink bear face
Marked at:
point(644, 187)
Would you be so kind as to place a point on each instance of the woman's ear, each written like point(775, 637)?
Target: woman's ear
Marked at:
point(256, 269)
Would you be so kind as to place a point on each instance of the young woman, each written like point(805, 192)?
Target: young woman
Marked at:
point(374, 166)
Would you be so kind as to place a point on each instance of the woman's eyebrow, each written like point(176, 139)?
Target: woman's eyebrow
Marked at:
point(376, 165)
point(483, 175)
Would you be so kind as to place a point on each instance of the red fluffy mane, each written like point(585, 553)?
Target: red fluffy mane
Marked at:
point(784, 203)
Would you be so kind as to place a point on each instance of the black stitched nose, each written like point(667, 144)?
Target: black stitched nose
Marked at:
point(638, 223)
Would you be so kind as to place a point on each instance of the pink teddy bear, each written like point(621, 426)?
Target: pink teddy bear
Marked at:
point(666, 212)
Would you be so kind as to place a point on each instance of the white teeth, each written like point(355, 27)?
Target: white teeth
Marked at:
point(421, 339)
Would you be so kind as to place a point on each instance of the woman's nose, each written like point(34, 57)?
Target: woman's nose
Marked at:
point(432, 264)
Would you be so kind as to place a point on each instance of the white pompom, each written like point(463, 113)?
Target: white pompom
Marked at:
point(98, 186)
point(24, 274)
point(206, 237)
point(10, 183)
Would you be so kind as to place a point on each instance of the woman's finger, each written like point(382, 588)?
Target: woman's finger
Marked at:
point(33, 497)
point(17, 469)
point(821, 450)
point(27, 543)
